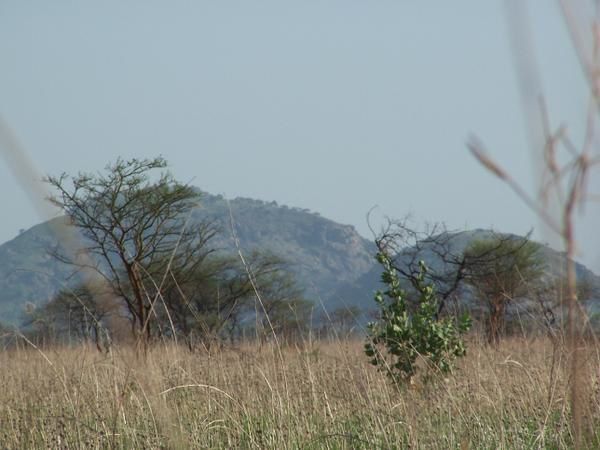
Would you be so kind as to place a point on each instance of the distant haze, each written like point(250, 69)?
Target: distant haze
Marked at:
point(334, 106)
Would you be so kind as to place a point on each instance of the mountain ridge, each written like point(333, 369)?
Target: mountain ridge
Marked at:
point(365, 286)
point(331, 261)
point(321, 253)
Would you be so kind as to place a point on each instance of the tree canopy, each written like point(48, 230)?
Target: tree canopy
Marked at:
point(505, 270)
point(163, 270)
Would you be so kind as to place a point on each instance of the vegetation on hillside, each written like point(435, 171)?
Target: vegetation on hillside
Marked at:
point(450, 270)
point(143, 262)
point(322, 255)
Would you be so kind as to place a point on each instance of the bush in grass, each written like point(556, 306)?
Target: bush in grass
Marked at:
point(403, 334)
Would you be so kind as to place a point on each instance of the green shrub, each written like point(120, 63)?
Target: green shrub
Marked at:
point(401, 336)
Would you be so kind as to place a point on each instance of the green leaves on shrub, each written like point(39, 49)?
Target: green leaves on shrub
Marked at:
point(402, 334)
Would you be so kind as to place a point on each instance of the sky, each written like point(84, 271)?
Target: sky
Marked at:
point(333, 105)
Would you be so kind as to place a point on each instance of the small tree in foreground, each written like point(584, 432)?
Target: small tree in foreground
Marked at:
point(403, 334)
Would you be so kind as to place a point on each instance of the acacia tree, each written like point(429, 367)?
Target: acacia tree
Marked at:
point(506, 269)
point(284, 310)
point(134, 228)
point(449, 266)
point(81, 313)
point(213, 299)
point(344, 319)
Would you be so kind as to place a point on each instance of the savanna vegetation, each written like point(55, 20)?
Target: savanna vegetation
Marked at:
point(314, 395)
point(169, 341)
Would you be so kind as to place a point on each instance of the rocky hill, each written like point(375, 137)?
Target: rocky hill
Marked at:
point(332, 262)
point(323, 255)
point(360, 293)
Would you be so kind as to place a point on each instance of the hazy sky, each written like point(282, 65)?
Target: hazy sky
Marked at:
point(335, 106)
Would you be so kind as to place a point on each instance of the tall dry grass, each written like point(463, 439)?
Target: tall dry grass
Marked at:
point(323, 395)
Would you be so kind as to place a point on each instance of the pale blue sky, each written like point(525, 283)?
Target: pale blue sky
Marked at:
point(335, 106)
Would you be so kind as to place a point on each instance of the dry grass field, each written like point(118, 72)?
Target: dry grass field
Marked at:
point(320, 395)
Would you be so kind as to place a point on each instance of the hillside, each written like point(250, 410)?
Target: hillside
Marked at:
point(332, 262)
point(28, 274)
point(360, 293)
point(323, 254)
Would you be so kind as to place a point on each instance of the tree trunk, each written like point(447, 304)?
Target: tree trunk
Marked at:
point(496, 322)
